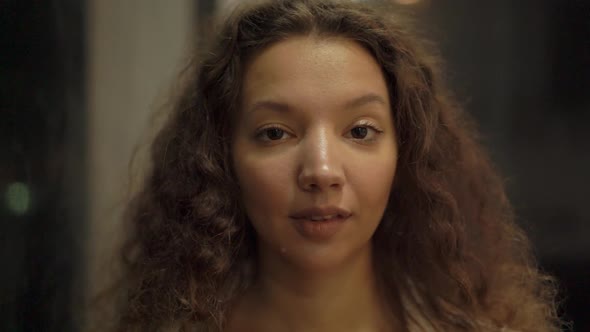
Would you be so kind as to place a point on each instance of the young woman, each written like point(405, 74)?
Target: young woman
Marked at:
point(316, 175)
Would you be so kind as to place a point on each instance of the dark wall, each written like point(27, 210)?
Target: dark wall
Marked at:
point(42, 140)
point(522, 69)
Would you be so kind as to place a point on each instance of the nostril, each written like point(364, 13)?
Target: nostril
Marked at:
point(312, 187)
point(319, 185)
point(320, 178)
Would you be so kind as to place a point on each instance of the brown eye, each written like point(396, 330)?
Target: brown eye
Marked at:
point(359, 132)
point(364, 132)
point(274, 134)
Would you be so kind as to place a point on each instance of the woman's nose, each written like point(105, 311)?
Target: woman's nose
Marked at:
point(320, 163)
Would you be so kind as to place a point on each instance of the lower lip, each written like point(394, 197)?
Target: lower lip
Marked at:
point(319, 230)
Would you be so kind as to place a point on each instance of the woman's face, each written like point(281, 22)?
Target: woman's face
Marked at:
point(315, 140)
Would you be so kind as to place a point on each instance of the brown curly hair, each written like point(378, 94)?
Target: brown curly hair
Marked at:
point(447, 249)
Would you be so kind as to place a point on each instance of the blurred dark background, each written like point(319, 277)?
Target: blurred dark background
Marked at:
point(71, 72)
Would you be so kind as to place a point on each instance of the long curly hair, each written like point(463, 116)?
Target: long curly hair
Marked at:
point(447, 251)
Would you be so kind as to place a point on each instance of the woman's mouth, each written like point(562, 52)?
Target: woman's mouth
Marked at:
point(320, 218)
point(318, 213)
point(319, 227)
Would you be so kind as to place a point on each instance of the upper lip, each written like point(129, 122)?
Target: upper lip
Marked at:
point(321, 211)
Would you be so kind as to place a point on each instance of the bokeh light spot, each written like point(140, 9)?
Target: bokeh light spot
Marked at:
point(18, 198)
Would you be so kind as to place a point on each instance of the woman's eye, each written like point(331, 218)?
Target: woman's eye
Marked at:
point(364, 132)
point(271, 134)
point(359, 132)
point(274, 133)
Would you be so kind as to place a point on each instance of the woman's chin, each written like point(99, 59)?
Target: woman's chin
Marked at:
point(312, 259)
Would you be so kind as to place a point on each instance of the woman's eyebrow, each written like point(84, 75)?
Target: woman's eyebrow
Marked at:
point(365, 99)
point(270, 105)
point(284, 107)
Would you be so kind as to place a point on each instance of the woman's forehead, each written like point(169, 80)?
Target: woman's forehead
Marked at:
point(313, 70)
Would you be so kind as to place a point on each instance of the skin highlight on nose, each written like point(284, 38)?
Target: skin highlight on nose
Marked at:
point(320, 167)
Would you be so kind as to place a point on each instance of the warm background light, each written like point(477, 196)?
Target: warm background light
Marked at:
point(407, 2)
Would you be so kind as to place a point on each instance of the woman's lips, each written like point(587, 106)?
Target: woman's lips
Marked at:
point(319, 229)
point(321, 212)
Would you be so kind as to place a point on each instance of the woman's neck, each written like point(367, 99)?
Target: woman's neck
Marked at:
point(287, 298)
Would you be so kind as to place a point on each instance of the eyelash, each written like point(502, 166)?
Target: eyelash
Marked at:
point(260, 132)
point(364, 123)
point(371, 125)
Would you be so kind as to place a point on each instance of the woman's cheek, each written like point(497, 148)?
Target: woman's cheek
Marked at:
point(373, 179)
point(266, 182)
